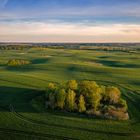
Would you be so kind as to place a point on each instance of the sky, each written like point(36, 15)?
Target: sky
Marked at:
point(70, 21)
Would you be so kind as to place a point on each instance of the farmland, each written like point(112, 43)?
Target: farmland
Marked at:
point(21, 119)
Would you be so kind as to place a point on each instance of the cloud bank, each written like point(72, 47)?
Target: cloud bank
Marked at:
point(64, 32)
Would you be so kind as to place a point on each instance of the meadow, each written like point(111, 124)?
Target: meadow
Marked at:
point(20, 119)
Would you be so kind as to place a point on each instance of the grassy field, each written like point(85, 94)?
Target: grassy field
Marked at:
point(19, 85)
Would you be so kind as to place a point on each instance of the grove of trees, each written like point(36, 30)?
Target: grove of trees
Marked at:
point(87, 97)
point(18, 62)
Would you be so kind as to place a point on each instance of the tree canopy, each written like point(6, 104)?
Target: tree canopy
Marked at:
point(86, 97)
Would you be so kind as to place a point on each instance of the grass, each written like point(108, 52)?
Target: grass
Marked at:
point(19, 119)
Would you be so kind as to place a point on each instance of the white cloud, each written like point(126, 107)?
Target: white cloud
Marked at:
point(62, 32)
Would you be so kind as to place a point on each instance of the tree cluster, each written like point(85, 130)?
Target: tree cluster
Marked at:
point(18, 62)
point(14, 47)
point(87, 97)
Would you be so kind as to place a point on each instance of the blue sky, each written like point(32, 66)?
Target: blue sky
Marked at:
point(70, 20)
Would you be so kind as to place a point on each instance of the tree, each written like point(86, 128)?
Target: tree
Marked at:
point(112, 94)
point(50, 95)
point(70, 100)
point(91, 92)
point(122, 104)
point(87, 87)
point(94, 98)
point(72, 84)
point(60, 98)
point(81, 105)
point(51, 87)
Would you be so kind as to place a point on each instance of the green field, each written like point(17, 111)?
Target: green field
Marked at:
point(19, 119)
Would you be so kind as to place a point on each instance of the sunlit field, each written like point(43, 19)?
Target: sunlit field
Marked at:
point(19, 86)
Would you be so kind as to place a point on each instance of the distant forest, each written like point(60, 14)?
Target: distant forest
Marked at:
point(80, 46)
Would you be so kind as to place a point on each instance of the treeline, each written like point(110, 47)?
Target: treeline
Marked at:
point(14, 47)
point(18, 62)
point(85, 46)
point(108, 48)
point(87, 97)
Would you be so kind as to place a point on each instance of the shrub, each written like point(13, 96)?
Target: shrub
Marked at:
point(113, 113)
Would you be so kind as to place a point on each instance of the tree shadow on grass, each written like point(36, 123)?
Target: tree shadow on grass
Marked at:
point(40, 60)
point(25, 68)
point(117, 64)
point(18, 97)
point(76, 68)
point(104, 57)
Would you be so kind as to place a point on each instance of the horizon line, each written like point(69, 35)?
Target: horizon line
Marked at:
point(22, 42)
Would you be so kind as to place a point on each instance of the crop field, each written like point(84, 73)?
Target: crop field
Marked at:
point(20, 119)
